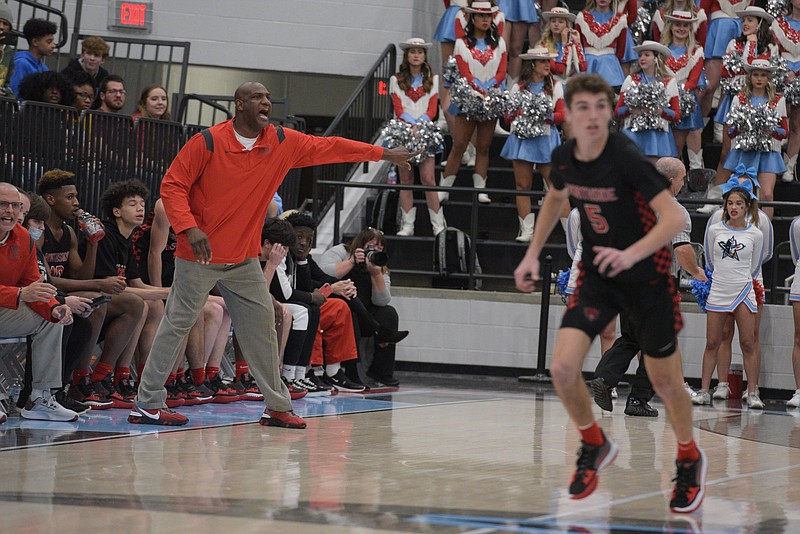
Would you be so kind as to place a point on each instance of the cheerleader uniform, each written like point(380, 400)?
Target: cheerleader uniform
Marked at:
point(699, 26)
point(537, 149)
point(723, 26)
point(482, 65)
point(445, 31)
point(735, 256)
point(570, 60)
point(794, 244)
point(630, 10)
point(687, 71)
point(658, 142)
point(786, 31)
point(748, 52)
point(603, 36)
point(519, 10)
point(460, 23)
point(414, 105)
point(770, 161)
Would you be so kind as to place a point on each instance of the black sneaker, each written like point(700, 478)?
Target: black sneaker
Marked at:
point(690, 481)
point(247, 388)
point(85, 393)
point(174, 397)
point(319, 383)
point(639, 408)
point(342, 383)
point(69, 403)
point(602, 394)
point(591, 459)
point(387, 335)
point(127, 388)
point(312, 389)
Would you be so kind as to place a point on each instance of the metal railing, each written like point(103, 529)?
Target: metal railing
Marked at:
point(53, 9)
point(361, 118)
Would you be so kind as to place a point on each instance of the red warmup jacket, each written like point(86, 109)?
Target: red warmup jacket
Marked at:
point(226, 192)
point(18, 268)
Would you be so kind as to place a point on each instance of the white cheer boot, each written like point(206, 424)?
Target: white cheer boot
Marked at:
point(407, 222)
point(468, 158)
point(446, 181)
point(526, 228)
point(437, 220)
point(479, 182)
point(695, 159)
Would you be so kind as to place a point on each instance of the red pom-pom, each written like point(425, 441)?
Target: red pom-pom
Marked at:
point(759, 289)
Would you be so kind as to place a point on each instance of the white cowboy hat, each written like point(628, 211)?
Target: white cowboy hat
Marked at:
point(757, 12)
point(539, 52)
point(558, 12)
point(482, 7)
point(414, 42)
point(680, 16)
point(653, 47)
point(759, 64)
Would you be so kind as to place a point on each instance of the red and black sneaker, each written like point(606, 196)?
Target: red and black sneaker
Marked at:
point(223, 393)
point(193, 395)
point(85, 392)
point(174, 397)
point(247, 388)
point(690, 482)
point(281, 419)
point(591, 460)
point(116, 398)
point(164, 417)
point(295, 391)
point(127, 388)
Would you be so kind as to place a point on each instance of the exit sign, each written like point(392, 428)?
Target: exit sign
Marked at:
point(130, 16)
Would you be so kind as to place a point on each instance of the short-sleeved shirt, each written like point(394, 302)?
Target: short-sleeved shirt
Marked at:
point(115, 255)
point(613, 193)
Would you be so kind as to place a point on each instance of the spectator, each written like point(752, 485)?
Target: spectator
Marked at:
point(94, 51)
point(112, 94)
point(7, 45)
point(373, 283)
point(41, 36)
point(28, 307)
point(83, 90)
point(153, 104)
point(48, 87)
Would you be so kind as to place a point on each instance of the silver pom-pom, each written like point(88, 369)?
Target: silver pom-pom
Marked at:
point(688, 102)
point(781, 72)
point(792, 92)
point(535, 109)
point(733, 65)
point(641, 25)
point(777, 8)
point(754, 126)
point(650, 96)
point(474, 105)
point(425, 136)
point(450, 70)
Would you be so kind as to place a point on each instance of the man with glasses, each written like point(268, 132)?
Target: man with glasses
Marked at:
point(28, 307)
point(112, 94)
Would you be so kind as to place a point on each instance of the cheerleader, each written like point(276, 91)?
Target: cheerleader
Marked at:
point(786, 31)
point(657, 142)
point(603, 35)
point(746, 177)
point(481, 58)
point(414, 90)
point(522, 23)
point(724, 25)
point(525, 152)
point(685, 65)
point(628, 9)
point(734, 251)
point(698, 16)
point(759, 90)
point(794, 298)
point(562, 39)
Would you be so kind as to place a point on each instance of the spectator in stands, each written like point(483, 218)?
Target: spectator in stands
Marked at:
point(72, 273)
point(41, 37)
point(112, 93)
point(94, 51)
point(153, 104)
point(83, 90)
point(48, 87)
point(7, 47)
point(357, 262)
point(28, 307)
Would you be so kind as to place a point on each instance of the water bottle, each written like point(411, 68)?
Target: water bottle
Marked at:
point(14, 390)
point(735, 380)
point(90, 226)
point(391, 178)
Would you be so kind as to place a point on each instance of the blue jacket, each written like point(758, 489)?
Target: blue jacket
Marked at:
point(24, 64)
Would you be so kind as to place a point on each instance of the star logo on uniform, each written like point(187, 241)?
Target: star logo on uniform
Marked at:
point(730, 248)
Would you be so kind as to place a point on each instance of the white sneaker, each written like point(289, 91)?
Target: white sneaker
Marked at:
point(702, 397)
point(48, 409)
point(708, 209)
point(723, 391)
point(689, 389)
point(744, 395)
point(754, 401)
point(614, 393)
point(794, 402)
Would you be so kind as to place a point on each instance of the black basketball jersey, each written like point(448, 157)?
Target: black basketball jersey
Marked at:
point(57, 252)
point(612, 194)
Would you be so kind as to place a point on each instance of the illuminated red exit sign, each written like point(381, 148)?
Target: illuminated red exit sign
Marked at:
point(131, 16)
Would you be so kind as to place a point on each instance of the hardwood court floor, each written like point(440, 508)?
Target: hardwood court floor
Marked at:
point(439, 455)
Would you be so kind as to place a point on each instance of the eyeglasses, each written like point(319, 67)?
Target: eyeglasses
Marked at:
point(16, 206)
point(116, 91)
point(85, 96)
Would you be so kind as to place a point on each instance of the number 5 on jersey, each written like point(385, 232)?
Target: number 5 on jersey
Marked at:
point(595, 215)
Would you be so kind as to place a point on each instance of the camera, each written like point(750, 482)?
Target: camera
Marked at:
point(376, 257)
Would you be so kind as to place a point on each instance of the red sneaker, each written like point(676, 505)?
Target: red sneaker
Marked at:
point(281, 419)
point(116, 398)
point(223, 394)
point(247, 389)
point(591, 460)
point(690, 481)
point(164, 417)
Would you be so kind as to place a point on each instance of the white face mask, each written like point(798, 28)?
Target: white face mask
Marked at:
point(36, 233)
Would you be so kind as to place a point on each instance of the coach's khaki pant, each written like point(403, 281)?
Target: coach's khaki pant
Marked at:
point(246, 295)
point(45, 343)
